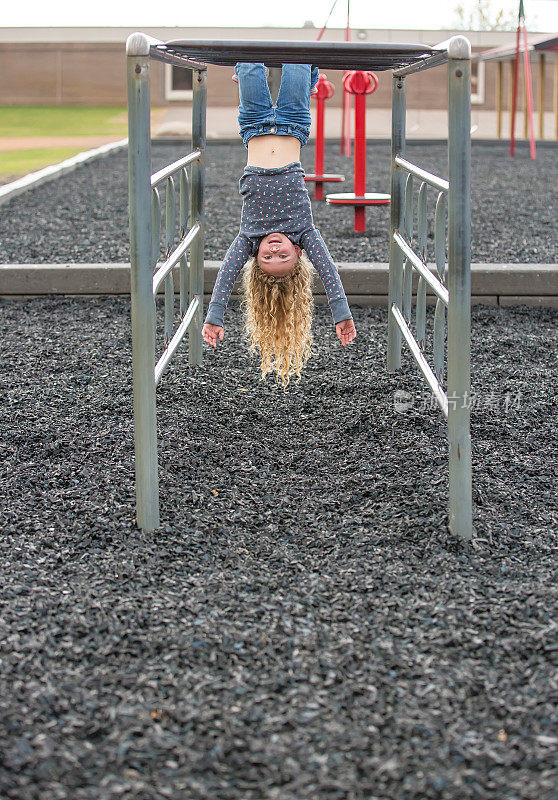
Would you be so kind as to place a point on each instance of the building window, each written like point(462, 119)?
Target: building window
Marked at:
point(477, 82)
point(178, 83)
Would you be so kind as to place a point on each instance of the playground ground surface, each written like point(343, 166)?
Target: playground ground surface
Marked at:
point(83, 216)
point(302, 626)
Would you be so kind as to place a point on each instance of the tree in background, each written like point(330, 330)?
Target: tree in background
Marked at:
point(481, 16)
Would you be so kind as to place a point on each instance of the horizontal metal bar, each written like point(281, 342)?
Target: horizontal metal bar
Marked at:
point(438, 289)
point(170, 169)
point(435, 60)
point(423, 364)
point(433, 180)
point(174, 258)
point(176, 339)
point(333, 55)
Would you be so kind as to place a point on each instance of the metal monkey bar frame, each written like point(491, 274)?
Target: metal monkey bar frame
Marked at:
point(451, 287)
point(452, 284)
point(147, 275)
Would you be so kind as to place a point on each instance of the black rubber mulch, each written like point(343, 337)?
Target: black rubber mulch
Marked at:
point(83, 217)
point(302, 626)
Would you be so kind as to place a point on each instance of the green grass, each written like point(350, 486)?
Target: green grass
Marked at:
point(63, 121)
point(14, 163)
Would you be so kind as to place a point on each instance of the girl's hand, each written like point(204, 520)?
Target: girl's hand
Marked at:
point(346, 331)
point(210, 333)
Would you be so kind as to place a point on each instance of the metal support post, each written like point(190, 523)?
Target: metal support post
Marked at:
point(542, 65)
point(499, 84)
point(143, 309)
point(398, 113)
point(197, 213)
point(459, 286)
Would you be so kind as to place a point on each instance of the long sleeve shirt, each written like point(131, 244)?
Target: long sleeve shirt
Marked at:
point(275, 200)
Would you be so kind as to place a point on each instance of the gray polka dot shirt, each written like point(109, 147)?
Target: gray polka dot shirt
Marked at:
point(276, 201)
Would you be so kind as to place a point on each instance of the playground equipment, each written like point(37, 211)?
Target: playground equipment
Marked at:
point(360, 84)
point(522, 28)
point(452, 287)
point(145, 224)
point(454, 293)
point(540, 48)
point(325, 90)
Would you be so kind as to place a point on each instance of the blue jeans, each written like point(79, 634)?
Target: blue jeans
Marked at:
point(291, 117)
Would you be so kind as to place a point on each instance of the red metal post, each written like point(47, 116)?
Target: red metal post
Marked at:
point(320, 145)
point(346, 122)
point(360, 84)
point(360, 159)
point(324, 90)
point(514, 101)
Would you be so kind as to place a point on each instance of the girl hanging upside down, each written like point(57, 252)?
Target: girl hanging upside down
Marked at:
point(276, 226)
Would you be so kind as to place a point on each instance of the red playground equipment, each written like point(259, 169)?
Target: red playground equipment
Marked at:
point(360, 84)
point(528, 88)
point(325, 90)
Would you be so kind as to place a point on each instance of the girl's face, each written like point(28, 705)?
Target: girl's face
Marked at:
point(277, 255)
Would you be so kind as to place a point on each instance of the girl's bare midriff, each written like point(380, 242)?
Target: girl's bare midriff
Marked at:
point(271, 150)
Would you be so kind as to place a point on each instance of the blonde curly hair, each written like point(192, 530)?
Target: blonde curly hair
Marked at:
point(278, 317)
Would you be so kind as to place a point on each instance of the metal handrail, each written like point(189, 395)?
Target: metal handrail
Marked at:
point(438, 289)
point(171, 169)
point(433, 180)
point(176, 339)
point(174, 258)
point(423, 364)
point(145, 232)
point(454, 289)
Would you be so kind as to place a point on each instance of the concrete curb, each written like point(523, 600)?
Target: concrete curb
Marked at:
point(14, 188)
point(365, 284)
